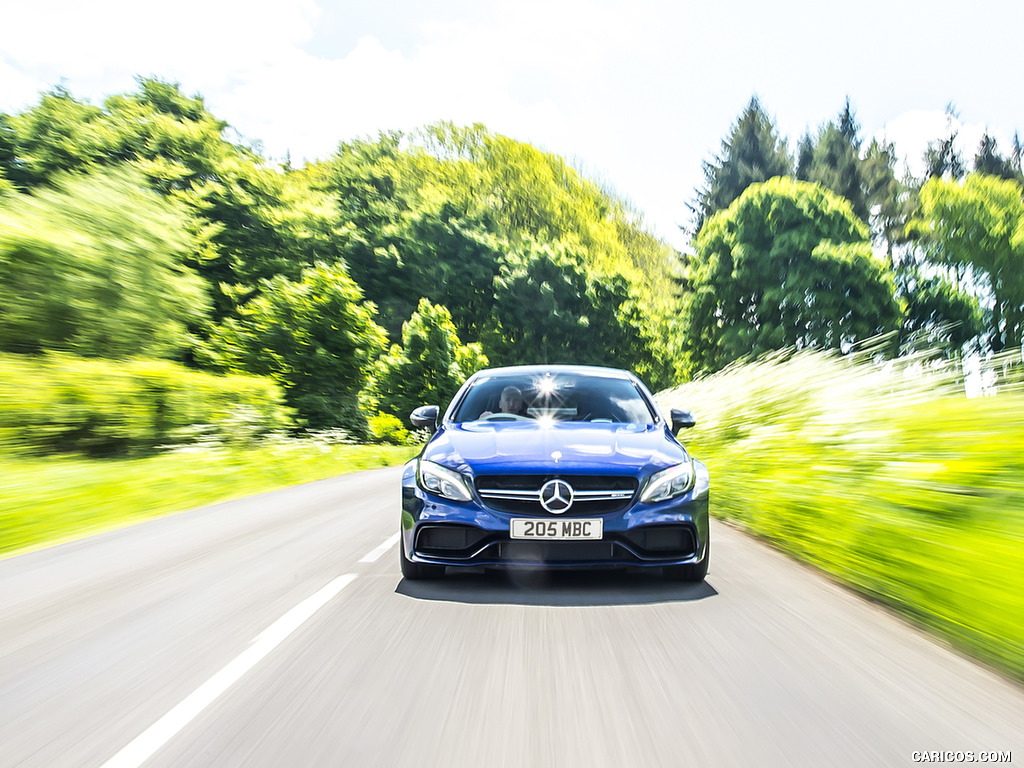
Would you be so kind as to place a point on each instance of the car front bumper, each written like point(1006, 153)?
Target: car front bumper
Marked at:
point(437, 531)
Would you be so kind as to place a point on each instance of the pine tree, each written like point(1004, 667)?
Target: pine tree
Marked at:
point(941, 157)
point(804, 156)
point(752, 152)
point(848, 125)
point(836, 163)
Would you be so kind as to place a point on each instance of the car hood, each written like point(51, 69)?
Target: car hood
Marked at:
point(479, 448)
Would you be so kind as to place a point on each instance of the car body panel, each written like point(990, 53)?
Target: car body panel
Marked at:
point(558, 447)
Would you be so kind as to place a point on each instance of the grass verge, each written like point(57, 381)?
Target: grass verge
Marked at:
point(46, 500)
point(885, 477)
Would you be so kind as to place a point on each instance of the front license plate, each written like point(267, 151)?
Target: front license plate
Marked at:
point(524, 528)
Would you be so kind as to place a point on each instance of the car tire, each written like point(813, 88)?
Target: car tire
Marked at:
point(418, 571)
point(692, 572)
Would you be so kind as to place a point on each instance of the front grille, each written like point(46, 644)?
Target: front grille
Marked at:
point(663, 541)
point(592, 494)
point(448, 540)
point(470, 545)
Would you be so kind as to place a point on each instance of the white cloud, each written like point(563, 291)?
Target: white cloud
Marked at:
point(97, 47)
point(638, 94)
point(317, 102)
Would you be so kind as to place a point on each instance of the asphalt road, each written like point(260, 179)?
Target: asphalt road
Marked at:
point(277, 631)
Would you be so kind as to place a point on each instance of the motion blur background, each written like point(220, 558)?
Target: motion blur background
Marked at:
point(240, 242)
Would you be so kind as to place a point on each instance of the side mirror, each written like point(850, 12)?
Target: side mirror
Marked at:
point(425, 416)
point(681, 420)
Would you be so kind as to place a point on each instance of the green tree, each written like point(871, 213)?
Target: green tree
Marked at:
point(976, 227)
point(941, 158)
point(988, 160)
point(8, 152)
point(836, 163)
point(428, 368)
point(364, 178)
point(940, 315)
point(59, 134)
point(752, 152)
point(804, 156)
point(431, 215)
point(548, 309)
point(254, 221)
point(262, 224)
point(402, 241)
point(453, 260)
point(886, 196)
point(848, 126)
point(94, 265)
point(788, 264)
point(316, 337)
point(535, 195)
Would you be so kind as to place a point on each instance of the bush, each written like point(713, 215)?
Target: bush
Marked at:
point(96, 267)
point(427, 369)
point(61, 403)
point(316, 337)
point(385, 428)
point(885, 476)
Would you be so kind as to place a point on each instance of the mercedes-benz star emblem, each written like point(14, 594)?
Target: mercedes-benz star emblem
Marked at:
point(556, 496)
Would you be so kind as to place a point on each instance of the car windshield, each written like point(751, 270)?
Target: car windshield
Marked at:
point(557, 397)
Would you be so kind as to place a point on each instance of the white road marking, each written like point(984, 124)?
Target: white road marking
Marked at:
point(376, 554)
point(149, 741)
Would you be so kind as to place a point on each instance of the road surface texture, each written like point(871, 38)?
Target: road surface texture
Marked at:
point(277, 631)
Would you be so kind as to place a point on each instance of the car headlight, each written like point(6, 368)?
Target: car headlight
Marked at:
point(444, 482)
point(669, 483)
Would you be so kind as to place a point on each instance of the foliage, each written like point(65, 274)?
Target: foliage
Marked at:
point(942, 159)
point(836, 163)
point(428, 368)
point(549, 309)
point(453, 258)
point(887, 197)
point(884, 476)
point(752, 152)
point(787, 264)
point(866, 179)
point(940, 316)
point(977, 228)
point(315, 337)
point(47, 500)
point(59, 135)
point(254, 222)
point(61, 403)
point(94, 266)
point(260, 222)
point(990, 162)
point(385, 428)
point(363, 180)
point(438, 208)
point(528, 192)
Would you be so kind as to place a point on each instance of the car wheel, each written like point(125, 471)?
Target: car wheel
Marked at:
point(418, 571)
point(692, 572)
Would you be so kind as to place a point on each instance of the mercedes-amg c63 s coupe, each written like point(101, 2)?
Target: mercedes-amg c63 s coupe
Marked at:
point(554, 466)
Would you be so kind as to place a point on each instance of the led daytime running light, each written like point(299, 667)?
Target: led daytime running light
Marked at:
point(443, 482)
point(669, 483)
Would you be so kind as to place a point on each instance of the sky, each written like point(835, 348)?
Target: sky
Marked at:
point(635, 95)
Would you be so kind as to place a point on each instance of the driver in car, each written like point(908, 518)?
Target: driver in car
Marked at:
point(511, 401)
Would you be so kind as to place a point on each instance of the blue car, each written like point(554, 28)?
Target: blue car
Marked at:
point(554, 466)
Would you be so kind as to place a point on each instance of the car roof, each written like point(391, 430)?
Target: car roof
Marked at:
point(536, 370)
